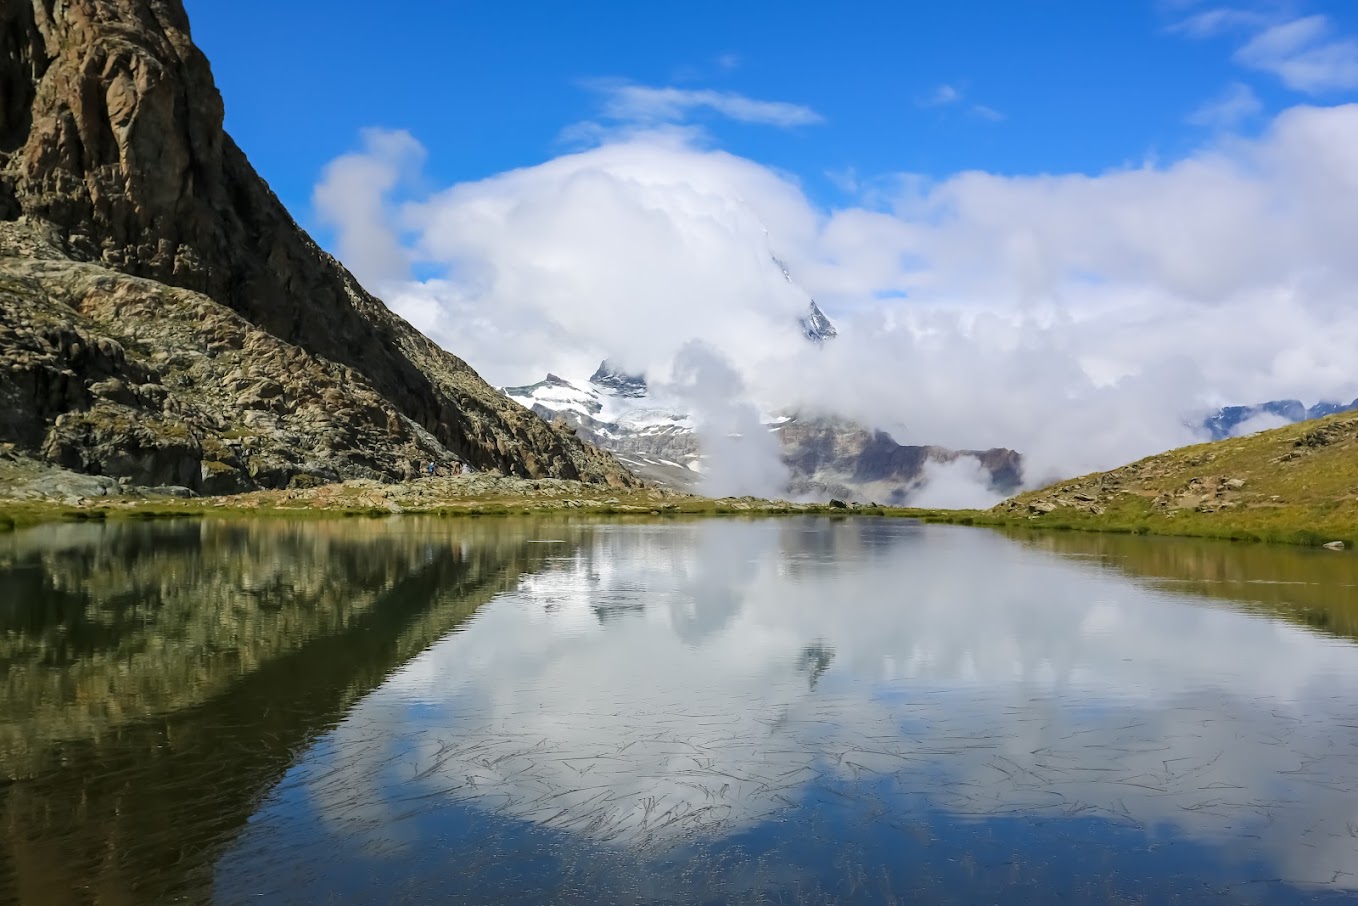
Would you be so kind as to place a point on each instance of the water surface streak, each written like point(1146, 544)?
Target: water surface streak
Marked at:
point(799, 710)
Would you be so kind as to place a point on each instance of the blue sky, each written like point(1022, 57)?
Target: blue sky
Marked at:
point(1031, 87)
point(1068, 228)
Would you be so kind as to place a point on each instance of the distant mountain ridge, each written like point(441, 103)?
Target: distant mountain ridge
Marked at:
point(1225, 421)
point(826, 457)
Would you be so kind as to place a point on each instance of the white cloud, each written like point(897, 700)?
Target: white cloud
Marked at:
point(1079, 319)
point(632, 103)
point(351, 197)
point(1233, 107)
point(1303, 52)
point(962, 484)
point(950, 95)
point(987, 113)
point(1264, 421)
point(1212, 22)
point(1304, 55)
point(943, 95)
point(742, 457)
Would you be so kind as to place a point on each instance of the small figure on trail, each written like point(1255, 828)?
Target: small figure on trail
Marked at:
point(433, 469)
point(457, 468)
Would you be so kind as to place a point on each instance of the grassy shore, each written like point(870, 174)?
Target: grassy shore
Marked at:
point(1292, 485)
point(437, 497)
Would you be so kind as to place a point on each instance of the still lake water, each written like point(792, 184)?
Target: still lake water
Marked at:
point(795, 710)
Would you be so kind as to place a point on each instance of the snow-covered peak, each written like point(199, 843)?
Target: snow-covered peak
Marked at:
point(816, 327)
point(612, 380)
point(556, 394)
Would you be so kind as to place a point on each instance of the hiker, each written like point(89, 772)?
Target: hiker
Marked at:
point(432, 469)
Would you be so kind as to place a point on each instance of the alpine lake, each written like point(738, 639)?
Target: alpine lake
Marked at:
point(554, 710)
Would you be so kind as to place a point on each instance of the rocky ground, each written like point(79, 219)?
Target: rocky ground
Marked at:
point(34, 491)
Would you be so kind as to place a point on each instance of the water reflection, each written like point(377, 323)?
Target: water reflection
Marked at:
point(670, 689)
point(802, 710)
point(1314, 587)
point(160, 678)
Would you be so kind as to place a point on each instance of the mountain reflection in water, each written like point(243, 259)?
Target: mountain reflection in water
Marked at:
point(705, 711)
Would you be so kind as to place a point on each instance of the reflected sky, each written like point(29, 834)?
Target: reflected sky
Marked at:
point(655, 695)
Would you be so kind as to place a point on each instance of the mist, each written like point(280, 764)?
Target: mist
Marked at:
point(1083, 320)
point(741, 456)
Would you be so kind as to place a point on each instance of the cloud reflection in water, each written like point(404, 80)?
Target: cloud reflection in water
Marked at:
point(682, 683)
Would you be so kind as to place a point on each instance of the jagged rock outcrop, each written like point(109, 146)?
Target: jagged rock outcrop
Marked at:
point(112, 153)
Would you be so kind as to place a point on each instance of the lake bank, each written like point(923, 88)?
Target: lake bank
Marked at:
point(32, 493)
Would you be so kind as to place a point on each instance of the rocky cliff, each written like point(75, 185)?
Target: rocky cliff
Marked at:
point(114, 165)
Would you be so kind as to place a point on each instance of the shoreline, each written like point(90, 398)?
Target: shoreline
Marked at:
point(370, 500)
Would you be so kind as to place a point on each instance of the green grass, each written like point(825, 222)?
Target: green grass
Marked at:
point(1300, 487)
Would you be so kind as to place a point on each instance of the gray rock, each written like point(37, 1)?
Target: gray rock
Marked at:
point(1333, 546)
point(169, 490)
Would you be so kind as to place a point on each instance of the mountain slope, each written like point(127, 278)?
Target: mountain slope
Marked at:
point(112, 152)
point(1297, 483)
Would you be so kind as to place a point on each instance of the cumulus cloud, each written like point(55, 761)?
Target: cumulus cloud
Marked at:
point(351, 197)
point(1084, 320)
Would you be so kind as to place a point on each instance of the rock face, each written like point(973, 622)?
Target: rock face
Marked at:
point(828, 456)
point(816, 327)
point(114, 165)
point(609, 378)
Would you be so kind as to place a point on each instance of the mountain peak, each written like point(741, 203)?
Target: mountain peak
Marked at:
point(815, 326)
point(613, 380)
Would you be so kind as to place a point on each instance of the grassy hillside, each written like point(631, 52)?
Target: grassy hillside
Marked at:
point(1297, 484)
